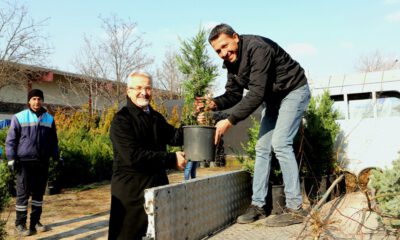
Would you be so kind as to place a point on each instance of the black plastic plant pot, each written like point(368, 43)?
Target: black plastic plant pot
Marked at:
point(198, 143)
point(278, 199)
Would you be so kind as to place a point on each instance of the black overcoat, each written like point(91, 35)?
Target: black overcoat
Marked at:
point(139, 142)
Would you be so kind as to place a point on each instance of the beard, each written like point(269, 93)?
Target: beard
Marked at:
point(142, 102)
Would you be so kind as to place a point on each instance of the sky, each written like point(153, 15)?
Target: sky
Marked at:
point(325, 37)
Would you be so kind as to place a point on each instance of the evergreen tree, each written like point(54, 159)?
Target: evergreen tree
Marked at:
point(316, 138)
point(199, 71)
point(250, 147)
point(387, 186)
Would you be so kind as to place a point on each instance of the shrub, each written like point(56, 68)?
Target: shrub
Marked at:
point(249, 147)
point(5, 197)
point(5, 178)
point(248, 162)
point(387, 186)
point(316, 138)
point(85, 146)
point(174, 119)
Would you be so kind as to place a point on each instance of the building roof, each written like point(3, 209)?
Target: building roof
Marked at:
point(359, 82)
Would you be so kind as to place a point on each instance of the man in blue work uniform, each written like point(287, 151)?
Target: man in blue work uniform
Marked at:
point(31, 142)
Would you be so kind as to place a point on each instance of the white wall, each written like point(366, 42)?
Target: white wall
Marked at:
point(13, 94)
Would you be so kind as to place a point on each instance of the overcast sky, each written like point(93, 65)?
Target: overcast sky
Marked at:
point(327, 37)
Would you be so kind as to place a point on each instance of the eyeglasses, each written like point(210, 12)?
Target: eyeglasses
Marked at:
point(141, 88)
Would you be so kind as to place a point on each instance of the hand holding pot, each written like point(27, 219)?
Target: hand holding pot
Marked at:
point(180, 160)
point(204, 104)
point(222, 127)
point(201, 118)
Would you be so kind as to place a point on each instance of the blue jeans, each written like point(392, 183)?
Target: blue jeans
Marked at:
point(190, 170)
point(276, 134)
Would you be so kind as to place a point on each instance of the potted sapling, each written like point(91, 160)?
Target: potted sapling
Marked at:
point(200, 72)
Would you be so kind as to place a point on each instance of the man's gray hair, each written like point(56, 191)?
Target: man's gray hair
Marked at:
point(139, 73)
point(219, 29)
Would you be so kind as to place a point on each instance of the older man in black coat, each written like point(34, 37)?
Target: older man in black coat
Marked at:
point(139, 137)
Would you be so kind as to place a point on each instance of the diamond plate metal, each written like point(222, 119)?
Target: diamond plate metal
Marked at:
point(195, 209)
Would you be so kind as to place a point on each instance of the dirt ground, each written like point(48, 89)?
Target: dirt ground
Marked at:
point(83, 213)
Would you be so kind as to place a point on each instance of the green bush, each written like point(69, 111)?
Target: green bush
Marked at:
point(387, 186)
point(85, 147)
point(248, 161)
point(77, 167)
point(5, 177)
point(4, 195)
point(3, 135)
point(316, 138)
point(98, 150)
point(87, 155)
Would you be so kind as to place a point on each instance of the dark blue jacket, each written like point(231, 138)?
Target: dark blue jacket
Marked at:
point(32, 137)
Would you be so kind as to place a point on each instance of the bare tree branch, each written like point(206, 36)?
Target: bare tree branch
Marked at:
point(112, 57)
point(376, 61)
point(21, 41)
point(168, 76)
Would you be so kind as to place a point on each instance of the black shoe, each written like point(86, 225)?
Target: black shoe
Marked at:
point(40, 228)
point(23, 231)
point(252, 214)
point(289, 217)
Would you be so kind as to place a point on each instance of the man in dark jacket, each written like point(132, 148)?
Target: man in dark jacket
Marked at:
point(31, 141)
point(139, 137)
point(277, 83)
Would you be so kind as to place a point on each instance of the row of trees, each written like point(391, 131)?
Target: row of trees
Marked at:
point(23, 40)
point(112, 56)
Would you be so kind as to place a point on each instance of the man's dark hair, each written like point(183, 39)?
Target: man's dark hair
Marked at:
point(220, 28)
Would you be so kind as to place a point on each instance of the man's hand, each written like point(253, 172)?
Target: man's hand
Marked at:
point(222, 127)
point(204, 104)
point(201, 118)
point(180, 160)
point(11, 165)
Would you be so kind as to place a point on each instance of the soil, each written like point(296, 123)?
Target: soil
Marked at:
point(83, 213)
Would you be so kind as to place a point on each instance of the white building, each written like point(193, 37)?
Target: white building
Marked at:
point(61, 89)
point(369, 108)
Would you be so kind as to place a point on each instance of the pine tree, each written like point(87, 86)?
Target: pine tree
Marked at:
point(250, 147)
point(387, 186)
point(316, 138)
point(200, 72)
